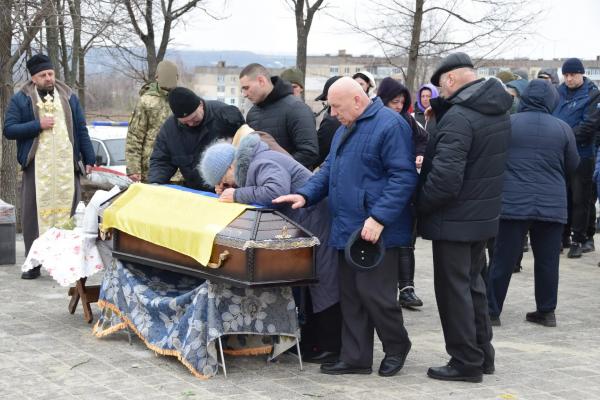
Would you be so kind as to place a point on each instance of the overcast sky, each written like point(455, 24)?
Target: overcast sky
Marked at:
point(569, 28)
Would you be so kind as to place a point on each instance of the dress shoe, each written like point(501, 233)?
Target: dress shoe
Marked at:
point(341, 368)
point(495, 320)
point(408, 298)
point(450, 373)
point(588, 246)
point(575, 250)
point(542, 318)
point(323, 357)
point(32, 273)
point(390, 365)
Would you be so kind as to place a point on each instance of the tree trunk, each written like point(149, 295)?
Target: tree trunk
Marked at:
point(301, 45)
point(52, 41)
point(413, 51)
point(75, 11)
point(8, 148)
point(64, 55)
point(81, 83)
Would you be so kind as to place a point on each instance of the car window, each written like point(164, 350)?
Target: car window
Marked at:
point(96, 146)
point(116, 149)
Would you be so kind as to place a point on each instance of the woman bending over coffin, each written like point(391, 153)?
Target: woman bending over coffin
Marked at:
point(253, 173)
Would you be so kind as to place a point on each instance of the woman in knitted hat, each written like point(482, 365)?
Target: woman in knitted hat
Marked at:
point(396, 96)
point(253, 173)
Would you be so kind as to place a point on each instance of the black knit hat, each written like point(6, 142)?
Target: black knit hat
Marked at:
point(573, 66)
point(450, 63)
point(39, 62)
point(330, 81)
point(361, 254)
point(183, 102)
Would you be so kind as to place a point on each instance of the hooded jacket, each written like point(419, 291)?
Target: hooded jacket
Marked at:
point(541, 154)
point(290, 121)
point(370, 172)
point(180, 146)
point(461, 180)
point(580, 108)
point(431, 125)
point(388, 90)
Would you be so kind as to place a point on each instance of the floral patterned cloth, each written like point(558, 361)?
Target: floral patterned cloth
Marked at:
point(67, 255)
point(181, 316)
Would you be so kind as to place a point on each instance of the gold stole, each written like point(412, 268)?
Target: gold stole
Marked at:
point(54, 171)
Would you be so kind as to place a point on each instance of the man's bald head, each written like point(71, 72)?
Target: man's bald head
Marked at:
point(347, 100)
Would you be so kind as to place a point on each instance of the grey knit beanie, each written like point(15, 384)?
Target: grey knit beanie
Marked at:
point(215, 161)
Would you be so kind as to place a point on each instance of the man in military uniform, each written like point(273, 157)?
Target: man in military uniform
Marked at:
point(150, 113)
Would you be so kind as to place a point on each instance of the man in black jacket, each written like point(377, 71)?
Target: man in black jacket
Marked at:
point(459, 205)
point(278, 112)
point(195, 124)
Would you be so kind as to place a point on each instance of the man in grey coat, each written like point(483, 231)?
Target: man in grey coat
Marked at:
point(281, 114)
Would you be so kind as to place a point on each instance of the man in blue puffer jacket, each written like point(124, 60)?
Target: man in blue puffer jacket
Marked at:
point(53, 149)
point(369, 177)
point(579, 107)
point(541, 154)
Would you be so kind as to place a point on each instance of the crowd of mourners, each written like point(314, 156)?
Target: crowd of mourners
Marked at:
point(483, 168)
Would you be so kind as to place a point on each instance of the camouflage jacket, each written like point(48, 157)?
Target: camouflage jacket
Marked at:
point(148, 116)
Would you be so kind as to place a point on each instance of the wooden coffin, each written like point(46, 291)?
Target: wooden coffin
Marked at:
point(259, 248)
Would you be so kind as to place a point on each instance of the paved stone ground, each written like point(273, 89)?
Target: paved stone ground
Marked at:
point(47, 353)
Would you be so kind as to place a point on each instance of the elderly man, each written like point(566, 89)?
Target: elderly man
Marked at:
point(579, 106)
point(370, 178)
point(194, 125)
point(279, 113)
point(459, 205)
point(48, 123)
point(148, 116)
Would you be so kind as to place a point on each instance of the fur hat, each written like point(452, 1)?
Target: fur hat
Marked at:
point(215, 161)
point(38, 63)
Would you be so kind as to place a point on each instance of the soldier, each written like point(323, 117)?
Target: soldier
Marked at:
point(150, 113)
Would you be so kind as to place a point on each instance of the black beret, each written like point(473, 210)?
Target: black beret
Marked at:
point(183, 102)
point(450, 63)
point(38, 63)
point(361, 254)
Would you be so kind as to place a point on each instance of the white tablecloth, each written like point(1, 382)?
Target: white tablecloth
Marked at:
point(67, 255)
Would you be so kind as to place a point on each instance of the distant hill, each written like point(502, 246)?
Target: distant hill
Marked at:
point(98, 59)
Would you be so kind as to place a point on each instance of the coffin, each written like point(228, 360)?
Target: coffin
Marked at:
point(261, 247)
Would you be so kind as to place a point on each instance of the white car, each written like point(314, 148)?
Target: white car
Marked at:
point(108, 141)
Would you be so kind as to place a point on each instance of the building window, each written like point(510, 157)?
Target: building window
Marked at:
point(333, 69)
point(220, 78)
point(221, 88)
point(346, 70)
point(233, 79)
point(232, 91)
point(221, 99)
point(232, 102)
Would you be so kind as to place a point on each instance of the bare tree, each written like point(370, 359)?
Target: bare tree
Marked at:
point(419, 29)
point(19, 24)
point(304, 14)
point(149, 22)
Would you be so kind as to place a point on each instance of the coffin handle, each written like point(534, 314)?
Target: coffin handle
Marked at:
point(222, 257)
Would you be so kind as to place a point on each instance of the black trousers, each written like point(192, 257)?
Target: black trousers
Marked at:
point(545, 245)
point(321, 331)
point(369, 301)
point(461, 298)
point(581, 199)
